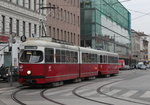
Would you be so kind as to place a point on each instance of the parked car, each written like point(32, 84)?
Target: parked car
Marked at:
point(141, 66)
point(5, 74)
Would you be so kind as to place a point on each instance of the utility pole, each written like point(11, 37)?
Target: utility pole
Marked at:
point(11, 42)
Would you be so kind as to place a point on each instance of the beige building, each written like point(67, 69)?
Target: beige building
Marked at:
point(139, 46)
point(63, 20)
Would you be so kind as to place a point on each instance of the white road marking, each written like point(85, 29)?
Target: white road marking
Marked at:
point(146, 95)
point(83, 90)
point(56, 92)
point(129, 93)
point(32, 93)
point(79, 91)
point(113, 92)
point(90, 93)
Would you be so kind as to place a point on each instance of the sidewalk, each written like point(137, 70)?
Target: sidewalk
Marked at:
point(4, 84)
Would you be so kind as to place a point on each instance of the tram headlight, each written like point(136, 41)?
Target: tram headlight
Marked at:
point(29, 72)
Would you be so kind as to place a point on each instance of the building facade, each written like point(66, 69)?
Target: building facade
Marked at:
point(139, 46)
point(135, 43)
point(106, 25)
point(63, 20)
point(144, 47)
point(18, 18)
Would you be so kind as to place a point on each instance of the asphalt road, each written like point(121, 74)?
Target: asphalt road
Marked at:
point(130, 87)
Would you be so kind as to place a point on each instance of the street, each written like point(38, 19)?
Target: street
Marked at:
point(129, 87)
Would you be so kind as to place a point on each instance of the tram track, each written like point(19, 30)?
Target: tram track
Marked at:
point(48, 99)
point(75, 92)
point(78, 95)
point(14, 96)
point(99, 90)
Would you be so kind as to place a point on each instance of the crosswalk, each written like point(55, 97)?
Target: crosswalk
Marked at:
point(91, 93)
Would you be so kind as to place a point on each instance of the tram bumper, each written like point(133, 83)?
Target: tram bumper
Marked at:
point(32, 80)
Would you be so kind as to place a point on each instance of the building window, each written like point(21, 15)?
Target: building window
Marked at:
point(35, 29)
point(68, 17)
point(3, 23)
point(39, 6)
point(42, 6)
point(40, 30)
point(24, 28)
point(78, 3)
point(74, 19)
point(74, 38)
point(50, 31)
point(54, 32)
point(74, 2)
point(62, 35)
point(34, 5)
point(61, 14)
point(68, 36)
point(17, 27)
point(10, 25)
point(58, 33)
point(71, 19)
point(58, 13)
point(54, 11)
point(78, 39)
point(17, 2)
point(78, 21)
point(29, 4)
point(29, 29)
point(65, 15)
point(65, 37)
point(71, 38)
point(23, 3)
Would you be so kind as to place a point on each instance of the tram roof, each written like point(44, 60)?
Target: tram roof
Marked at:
point(90, 50)
point(48, 44)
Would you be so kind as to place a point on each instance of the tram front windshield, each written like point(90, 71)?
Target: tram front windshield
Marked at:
point(31, 56)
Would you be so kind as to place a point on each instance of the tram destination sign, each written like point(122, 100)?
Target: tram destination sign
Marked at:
point(30, 47)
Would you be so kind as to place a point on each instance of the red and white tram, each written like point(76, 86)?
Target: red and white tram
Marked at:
point(44, 62)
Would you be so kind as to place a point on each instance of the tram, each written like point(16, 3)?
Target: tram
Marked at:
point(43, 62)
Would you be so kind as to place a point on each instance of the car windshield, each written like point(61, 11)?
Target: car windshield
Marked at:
point(30, 56)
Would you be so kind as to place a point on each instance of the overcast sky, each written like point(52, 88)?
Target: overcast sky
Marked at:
point(138, 9)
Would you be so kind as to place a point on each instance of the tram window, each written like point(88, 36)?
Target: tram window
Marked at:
point(109, 59)
point(115, 60)
point(31, 56)
point(49, 55)
point(83, 57)
point(62, 56)
point(105, 58)
point(57, 55)
point(76, 57)
point(94, 58)
point(101, 59)
point(67, 56)
point(89, 58)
